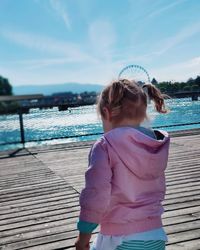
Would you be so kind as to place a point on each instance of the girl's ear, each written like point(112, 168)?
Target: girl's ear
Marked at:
point(107, 114)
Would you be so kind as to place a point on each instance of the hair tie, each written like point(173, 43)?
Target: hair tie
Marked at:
point(146, 91)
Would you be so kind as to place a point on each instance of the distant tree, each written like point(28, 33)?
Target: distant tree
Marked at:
point(154, 81)
point(197, 81)
point(7, 107)
point(5, 86)
point(190, 81)
point(194, 87)
point(175, 86)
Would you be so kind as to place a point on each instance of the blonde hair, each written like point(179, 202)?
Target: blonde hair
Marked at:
point(125, 99)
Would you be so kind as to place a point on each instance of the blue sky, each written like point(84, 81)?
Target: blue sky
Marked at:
point(90, 41)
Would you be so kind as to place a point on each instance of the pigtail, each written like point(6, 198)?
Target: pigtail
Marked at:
point(158, 98)
point(116, 93)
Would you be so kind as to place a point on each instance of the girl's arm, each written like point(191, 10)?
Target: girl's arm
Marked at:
point(95, 197)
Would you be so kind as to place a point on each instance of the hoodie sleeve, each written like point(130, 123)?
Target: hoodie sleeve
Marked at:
point(95, 197)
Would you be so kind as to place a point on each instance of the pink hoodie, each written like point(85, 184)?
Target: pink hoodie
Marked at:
point(125, 182)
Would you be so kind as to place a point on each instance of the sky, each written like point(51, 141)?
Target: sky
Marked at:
point(90, 41)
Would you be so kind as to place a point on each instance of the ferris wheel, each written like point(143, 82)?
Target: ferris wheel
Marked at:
point(135, 72)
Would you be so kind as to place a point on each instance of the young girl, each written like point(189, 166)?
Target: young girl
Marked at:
point(125, 181)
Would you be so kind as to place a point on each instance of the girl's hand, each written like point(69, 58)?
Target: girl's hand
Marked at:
point(80, 246)
point(83, 241)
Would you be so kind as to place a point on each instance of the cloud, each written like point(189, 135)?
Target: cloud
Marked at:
point(179, 37)
point(43, 62)
point(57, 9)
point(61, 12)
point(102, 37)
point(83, 66)
point(158, 11)
point(163, 46)
point(71, 51)
point(130, 55)
point(179, 71)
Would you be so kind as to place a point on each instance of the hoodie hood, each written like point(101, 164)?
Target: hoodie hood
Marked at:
point(144, 156)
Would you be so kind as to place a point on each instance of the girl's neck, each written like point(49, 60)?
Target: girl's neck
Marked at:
point(126, 123)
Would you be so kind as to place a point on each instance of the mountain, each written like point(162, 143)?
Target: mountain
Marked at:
point(56, 88)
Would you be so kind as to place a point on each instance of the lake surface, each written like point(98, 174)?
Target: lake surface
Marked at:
point(82, 123)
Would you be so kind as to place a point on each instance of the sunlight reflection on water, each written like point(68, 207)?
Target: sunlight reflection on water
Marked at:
point(81, 121)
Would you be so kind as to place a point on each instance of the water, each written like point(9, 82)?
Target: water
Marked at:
point(78, 123)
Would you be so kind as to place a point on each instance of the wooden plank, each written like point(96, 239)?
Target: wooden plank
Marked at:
point(194, 182)
point(42, 201)
point(187, 245)
point(182, 227)
point(186, 196)
point(37, 216)
point(173, 183)
point(179, 212)
point(182, 236)
point(40, 209)
point(170, 221)
point(33, 199)
point(34, 188)
point(42, 221)
point(48, 238)
point(57, 187)
point(70, 219)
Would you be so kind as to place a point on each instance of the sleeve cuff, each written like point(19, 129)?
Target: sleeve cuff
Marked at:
point(86, 227)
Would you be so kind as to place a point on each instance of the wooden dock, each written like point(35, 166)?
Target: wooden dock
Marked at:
point(39, 193)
